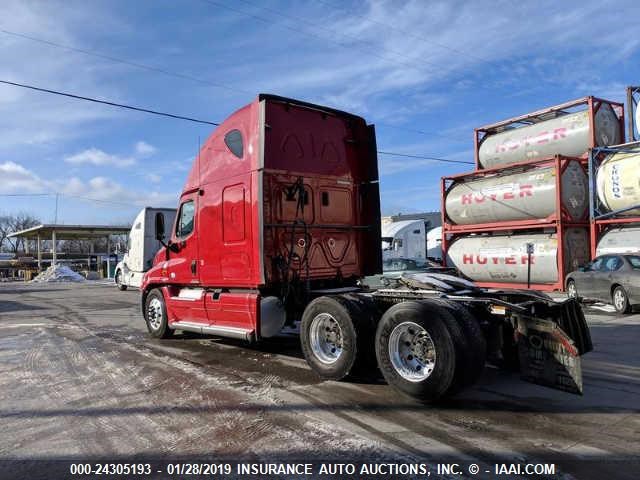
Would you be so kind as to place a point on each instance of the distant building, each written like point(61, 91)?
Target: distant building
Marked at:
point(431, 219)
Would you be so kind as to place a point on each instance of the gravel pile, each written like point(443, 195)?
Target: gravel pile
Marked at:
point(58, 273)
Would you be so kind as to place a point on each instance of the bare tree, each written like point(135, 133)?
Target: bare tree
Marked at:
point(15, 223)
point(5, 229)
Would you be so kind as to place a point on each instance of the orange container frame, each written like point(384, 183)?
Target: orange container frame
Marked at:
point(559, 221)
point(560, 164)
point(592, 105)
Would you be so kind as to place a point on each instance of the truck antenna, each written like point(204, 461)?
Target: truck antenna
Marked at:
point(199, 179)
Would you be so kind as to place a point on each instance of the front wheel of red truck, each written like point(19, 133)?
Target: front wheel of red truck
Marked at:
point(415, 350)
point(155, 314)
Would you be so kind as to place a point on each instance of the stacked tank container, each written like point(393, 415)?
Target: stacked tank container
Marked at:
point(614, 183)
point(615, 199)
point(521, 218)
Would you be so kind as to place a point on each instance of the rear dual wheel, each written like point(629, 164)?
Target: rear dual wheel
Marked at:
point(429, 349)
point(336, 336)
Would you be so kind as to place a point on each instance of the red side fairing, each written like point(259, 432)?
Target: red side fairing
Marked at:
point(228, 205)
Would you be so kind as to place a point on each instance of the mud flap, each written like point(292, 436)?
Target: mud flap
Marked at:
point(548, 356)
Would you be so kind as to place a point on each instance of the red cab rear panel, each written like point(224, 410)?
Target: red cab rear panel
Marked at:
point(282, 191)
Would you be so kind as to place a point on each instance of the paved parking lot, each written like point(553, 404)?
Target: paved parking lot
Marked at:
point(82, 380)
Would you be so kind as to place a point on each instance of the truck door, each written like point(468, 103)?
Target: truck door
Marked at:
point(186, 301)
point(184, 262)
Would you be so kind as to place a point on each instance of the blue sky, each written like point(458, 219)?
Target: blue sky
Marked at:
point(426, 73)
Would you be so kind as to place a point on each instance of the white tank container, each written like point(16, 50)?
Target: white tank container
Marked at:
point(518, 196)
point(618, 182)
point(503, 258)
point(619, 240)
point(568, 135)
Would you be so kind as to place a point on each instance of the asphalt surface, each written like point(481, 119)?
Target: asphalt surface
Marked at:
point(82, 381)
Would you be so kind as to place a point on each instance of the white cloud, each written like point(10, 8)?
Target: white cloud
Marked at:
point(153, 177)
point(381, 55)
point(144, 149)
point(95, 156)
point(34, 118)
point(108, 190)
point(98, 157)
point(17, 179)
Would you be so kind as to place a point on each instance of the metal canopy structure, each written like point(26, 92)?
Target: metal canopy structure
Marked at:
point(68, 232)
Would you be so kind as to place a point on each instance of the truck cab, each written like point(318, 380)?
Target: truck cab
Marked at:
point(404, 239)
point(282, 199)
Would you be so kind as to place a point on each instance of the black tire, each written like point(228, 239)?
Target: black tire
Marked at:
point(471, 348)
point(433, 318)
point(119, 284)
point(345, 350)
point(158, 327)
point(620, 300)
point(572, 291)
point(367, 314)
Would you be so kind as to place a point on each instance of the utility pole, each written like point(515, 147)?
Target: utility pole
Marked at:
point(55, 221)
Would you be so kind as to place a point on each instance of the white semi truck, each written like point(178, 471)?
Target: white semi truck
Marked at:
point(141, 247)
point(409, 239)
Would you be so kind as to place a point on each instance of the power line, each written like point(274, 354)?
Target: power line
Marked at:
point(336, 32)
point(324, 39)
point(414, 130)
point(163, 71)
point(58, 194)
point(425, 157)
point(123, 61)
point(179, 117)
point(404, 32)
point(26, 194)
point(98, 200)
point(105, 102)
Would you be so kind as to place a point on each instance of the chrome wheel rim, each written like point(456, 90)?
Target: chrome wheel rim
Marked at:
point(325, 336)
point(618, 299)
point(154, 313)
point(412, 352)
point(119, 278)
point(571, 290)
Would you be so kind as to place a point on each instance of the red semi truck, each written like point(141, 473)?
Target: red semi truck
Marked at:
point(279, 222)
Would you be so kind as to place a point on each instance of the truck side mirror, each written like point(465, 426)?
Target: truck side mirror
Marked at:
point(159, 226)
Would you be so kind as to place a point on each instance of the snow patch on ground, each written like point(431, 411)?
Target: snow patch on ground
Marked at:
point(58, 273)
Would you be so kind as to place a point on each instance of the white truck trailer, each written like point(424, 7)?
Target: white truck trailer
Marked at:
point(141, 247)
